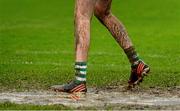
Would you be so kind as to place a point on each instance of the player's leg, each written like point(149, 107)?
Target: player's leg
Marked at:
point(117, 29)
point(83, 12)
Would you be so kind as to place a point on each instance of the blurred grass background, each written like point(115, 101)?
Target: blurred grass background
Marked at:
point(37, 43)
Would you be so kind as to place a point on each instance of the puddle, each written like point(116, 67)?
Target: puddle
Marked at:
point(93, 98)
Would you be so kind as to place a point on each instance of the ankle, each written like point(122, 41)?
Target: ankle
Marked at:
point(132, 55)
point(80, 72)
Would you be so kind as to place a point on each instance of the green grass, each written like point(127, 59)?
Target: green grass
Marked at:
point(37, 43)
point(11, 106)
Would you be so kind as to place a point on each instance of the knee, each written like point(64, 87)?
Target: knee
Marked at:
point(100, 13)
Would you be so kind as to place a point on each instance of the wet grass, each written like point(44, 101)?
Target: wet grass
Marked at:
point(37, 44)
point(11, 106)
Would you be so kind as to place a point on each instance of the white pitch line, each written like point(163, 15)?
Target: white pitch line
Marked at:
point(58, 64)
point(91, 53)
point(64, 52)
point(32, 25)
point(61, 52)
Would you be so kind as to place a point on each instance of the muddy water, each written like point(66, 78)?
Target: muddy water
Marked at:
point(92, 99)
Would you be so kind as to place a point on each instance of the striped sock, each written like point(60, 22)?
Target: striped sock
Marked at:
point(80, 72)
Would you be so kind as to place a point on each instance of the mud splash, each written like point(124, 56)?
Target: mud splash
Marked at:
point(93, 98)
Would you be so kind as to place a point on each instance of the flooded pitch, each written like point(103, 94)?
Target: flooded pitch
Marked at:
point(95, 98)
